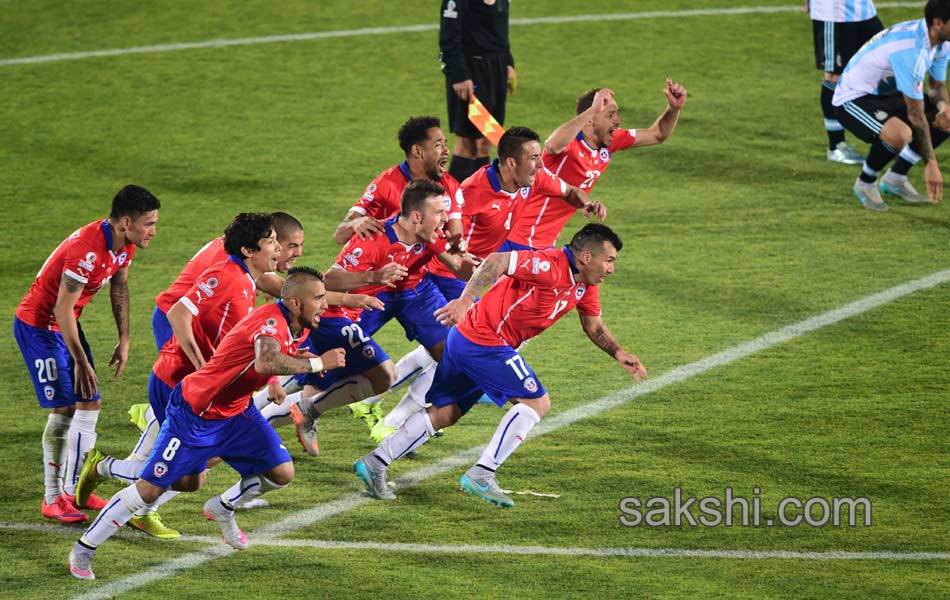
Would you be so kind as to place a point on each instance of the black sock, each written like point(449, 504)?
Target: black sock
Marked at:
point(878, 156)
point(461, 168)
point(902, 165)
point(832, 126)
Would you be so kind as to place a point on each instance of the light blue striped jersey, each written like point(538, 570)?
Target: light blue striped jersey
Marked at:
point(841, 11)
point(895, 60)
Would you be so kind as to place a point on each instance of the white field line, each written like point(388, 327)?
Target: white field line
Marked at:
point(531, 550)
point(322, 512)
point(343, 33)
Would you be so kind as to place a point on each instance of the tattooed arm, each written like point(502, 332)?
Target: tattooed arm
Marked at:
point(490, 269)
point(597, 331)
point(921, 130)
point(119, 294)
point(84, 375)
point(271, 361)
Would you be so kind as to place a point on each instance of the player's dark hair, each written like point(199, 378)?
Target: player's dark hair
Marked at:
point(586, 100)
point(285, 225)
point(246, 231)
point(297, 277)
point(510, 144)
point(415, 194)
point(415, 131)
point(592, 237)
point(936, 9)
point(132, 201)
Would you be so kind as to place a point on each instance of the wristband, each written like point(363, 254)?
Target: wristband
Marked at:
point(316, 365)
point(275, 380)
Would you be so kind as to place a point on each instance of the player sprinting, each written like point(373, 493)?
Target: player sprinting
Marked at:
point(492, 197)
point(218, 299)
point(535, 289)
point(51, 340)
point(210, 414)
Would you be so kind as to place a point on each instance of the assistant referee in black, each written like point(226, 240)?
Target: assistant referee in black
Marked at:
point(476, 58)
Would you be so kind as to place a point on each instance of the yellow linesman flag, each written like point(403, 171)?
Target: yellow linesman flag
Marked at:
point(484, 121)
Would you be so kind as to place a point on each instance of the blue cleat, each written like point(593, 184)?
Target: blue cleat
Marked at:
point(485, 488)
point(374, 480)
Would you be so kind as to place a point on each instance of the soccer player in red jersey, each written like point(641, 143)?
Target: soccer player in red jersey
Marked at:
point(534, 289)
point(579, 152)
point(411, 239)
point(219, 298)
point(210, 414)
point(492, 195)
point(47, 330)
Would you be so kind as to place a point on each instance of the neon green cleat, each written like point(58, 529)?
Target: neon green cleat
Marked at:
point(152, 525)
point(369, 414)
point(381, 431)
point(137, 415)
point(89, 476)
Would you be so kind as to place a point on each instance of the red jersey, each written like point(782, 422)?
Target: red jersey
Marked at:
point(211, 253)
point(539, 288)
point(541, 220)
point(488, 209)
point(383, 196)
point(222, 296)
point(223, 387)
point(86, 256)
point(372, 254)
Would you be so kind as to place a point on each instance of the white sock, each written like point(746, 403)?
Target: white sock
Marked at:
point(278, 415)
point(117, 513)
point(289, 384)
point(246, 490)
point(512, 430)
point(343, 392)
point(80, 439)
point(147, 440)
point(154, 506)
point(126, 470)
point(415, 398)
point(54, 454)
point(413, 433)
point(407, 367)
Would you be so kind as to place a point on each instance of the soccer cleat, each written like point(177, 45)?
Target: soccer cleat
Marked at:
point(306, 427)
point(845, 154)
point(374, 480)
point(89, 478)
point(93, 502)
point(137, 415)
point(63, 511)
point(381, 431)
point(869, 196)
point(903, 190)
point(153, 526)
point(80, 562)
point(485, 488)
point(369, 414)
point(232, 534)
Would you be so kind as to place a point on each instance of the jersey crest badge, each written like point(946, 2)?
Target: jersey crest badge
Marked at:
point(121, 258)
point(49, 392)
point(604, 154)
point(160, 469)
point(525, 191)
point(450, 12)
point(579, 292)
point(531, 384)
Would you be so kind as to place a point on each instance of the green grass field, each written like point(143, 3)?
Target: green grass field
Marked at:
point(734, 228)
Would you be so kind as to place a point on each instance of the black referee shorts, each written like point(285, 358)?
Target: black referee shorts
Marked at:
point(490, 76)
point(836, 43)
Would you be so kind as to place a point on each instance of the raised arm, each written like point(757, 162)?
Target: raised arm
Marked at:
point(665, 124)
point(597, 331)
point(119, 296)
point(84, 375)
point(559, 139)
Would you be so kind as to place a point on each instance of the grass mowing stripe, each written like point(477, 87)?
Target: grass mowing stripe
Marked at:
point(319, 35)
point(536, 550)
point(305, 518)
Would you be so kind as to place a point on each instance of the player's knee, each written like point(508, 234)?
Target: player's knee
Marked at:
point(68, 411)
point(148, 491)
point(282, 474)
point(382, 377)
point(833, 77)
point(539, 405)
point(465, 147)
point(190, 483)
point(436, 351)
point(444, 416)
point(482, 147)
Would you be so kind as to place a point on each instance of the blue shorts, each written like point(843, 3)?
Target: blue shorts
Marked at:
point(362, 351)
point(158, 394)
point(414, 310)
point(451, 287)
point(186, 442)
point(467, 370)
point(161, 328)
point(50, 364)
point(510, 246)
